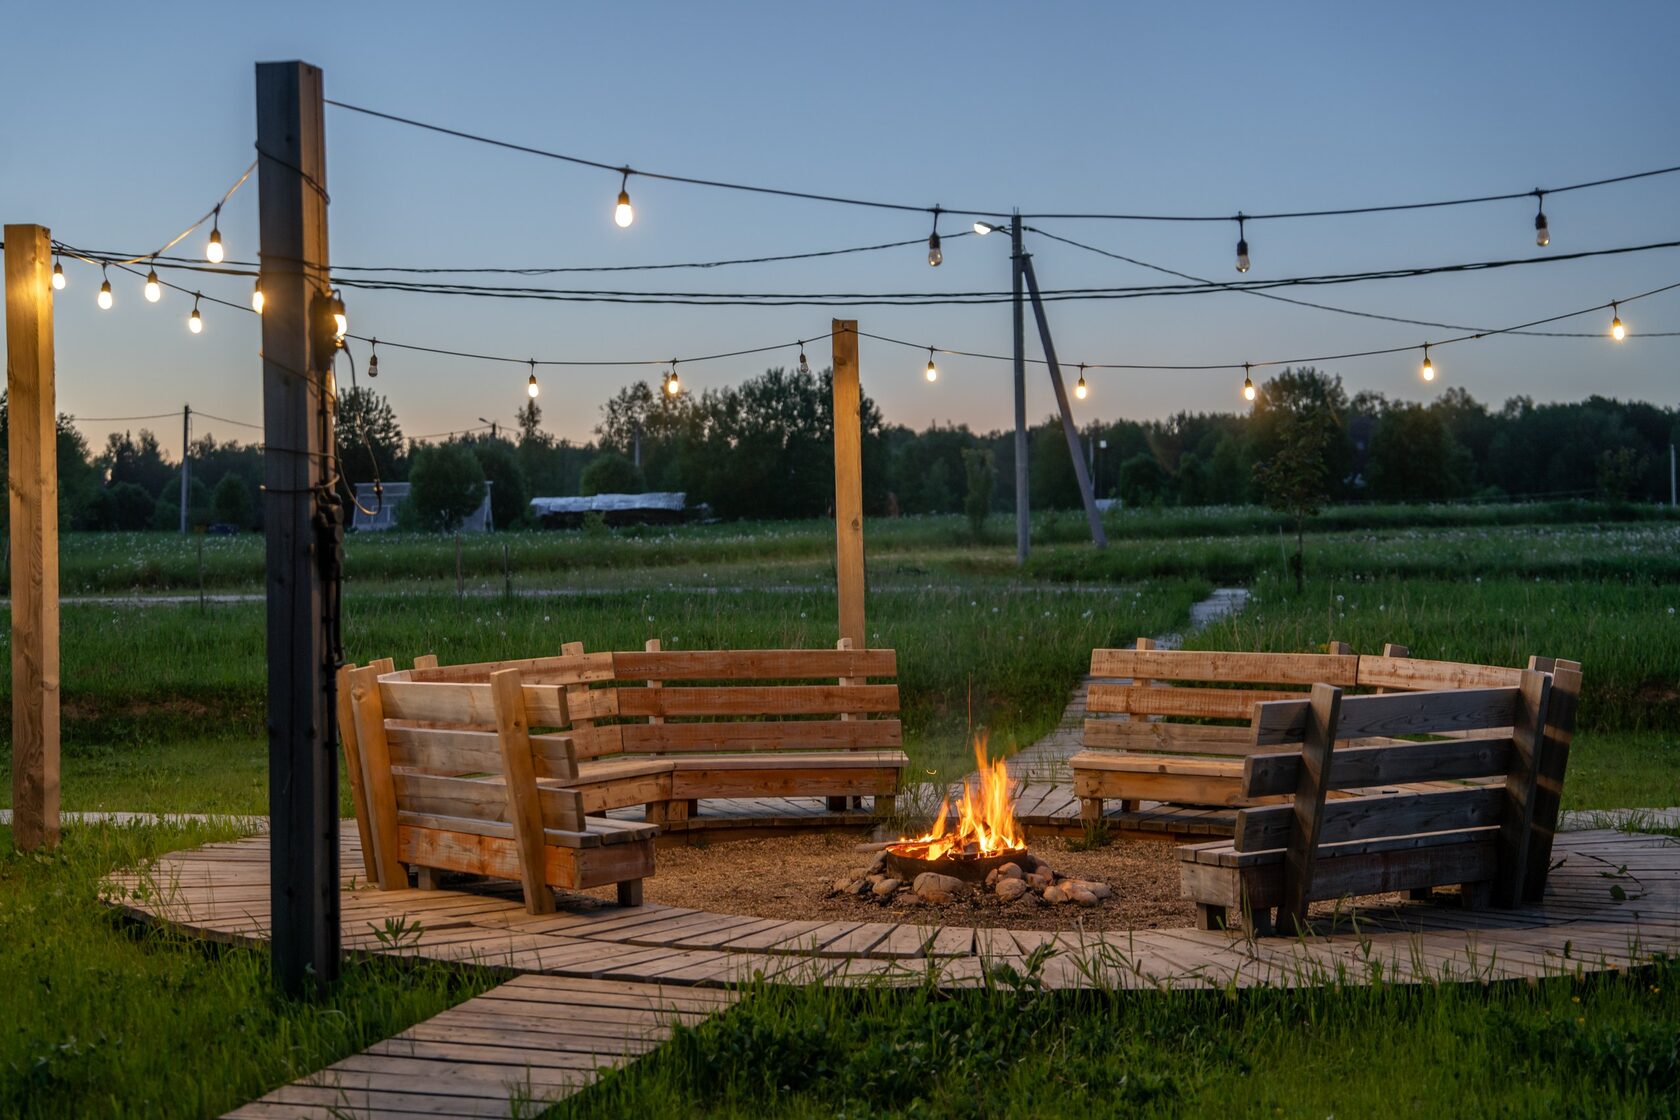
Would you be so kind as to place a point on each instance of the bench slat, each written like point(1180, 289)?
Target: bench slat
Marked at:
point(1206, 703)
point(762, 700)
point(480, 799)
point(1394, 714)
point(1215, 665)
point(1358, 767)
point(1417, 675)
point(498, 858)
point(1169, 738)
point(1388, 814)
point(462, 703)
point(748, 664)
point(1368, 873)
point(460, 751)
point(827, 735)
point(585, 668)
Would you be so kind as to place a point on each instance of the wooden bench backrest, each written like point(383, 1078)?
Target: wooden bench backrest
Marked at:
point(427, 748)
point(1510, 731)
point(736, 700)
point(1231, 684)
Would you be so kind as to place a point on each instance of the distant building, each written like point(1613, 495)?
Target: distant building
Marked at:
point(375, 514)
point(666, 508)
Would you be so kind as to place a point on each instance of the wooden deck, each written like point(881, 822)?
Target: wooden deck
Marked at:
point(610, 981)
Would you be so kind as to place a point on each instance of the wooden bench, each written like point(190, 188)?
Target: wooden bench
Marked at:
point(1183, 720)
point(669, 729)
point(1492, 840)
point(450, 776)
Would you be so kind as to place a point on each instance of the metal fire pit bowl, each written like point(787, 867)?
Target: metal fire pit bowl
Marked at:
point(970, 869)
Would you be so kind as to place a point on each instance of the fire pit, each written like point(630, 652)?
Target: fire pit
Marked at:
point(984, 850)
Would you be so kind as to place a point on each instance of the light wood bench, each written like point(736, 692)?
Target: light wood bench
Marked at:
point(450, 776)
point(1177, 729)
point(1492, 840)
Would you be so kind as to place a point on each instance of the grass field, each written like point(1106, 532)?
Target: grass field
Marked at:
point(163, 710)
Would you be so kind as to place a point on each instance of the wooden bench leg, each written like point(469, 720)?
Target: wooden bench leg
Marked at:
point(1475, 896)
point(1128, 805)
point(693, 807)
point(658, 812)
point(1209, 916)
point(1259, 922)
point(1420, 894)
point(1090, 809)
point(428, 878)
point(630, 892)
point(885, 804)
point(838, 804)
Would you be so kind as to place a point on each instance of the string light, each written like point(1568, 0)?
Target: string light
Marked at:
point(57, 274)
point(804, 366)
point(341, 321)
point(1617, 330)
point(1242, 243)
point(935, 256)
point(1079, 389)
point(531, 389)
point(673, 383)
point(1428, 366)
point(624, 213)
point(154, 290)
point(213, 251)
point(195, 321)
point(932, 370)
point(1248, 383)
point(257, 297)
point(105, 296)
point(373, 358)
point(1542, 232)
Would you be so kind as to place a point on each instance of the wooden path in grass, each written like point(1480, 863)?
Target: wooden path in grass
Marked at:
point(593, 985)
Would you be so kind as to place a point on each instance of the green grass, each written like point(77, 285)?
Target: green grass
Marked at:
point(1603, 1047)
point(104, 1017)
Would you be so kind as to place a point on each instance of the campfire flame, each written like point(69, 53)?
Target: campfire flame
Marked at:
point(985, 824)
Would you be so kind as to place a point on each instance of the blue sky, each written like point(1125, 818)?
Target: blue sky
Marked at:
point(127, 121)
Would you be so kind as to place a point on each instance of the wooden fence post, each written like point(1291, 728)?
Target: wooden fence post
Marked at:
point(848, 483)
point(298, 519)
point(32, 468)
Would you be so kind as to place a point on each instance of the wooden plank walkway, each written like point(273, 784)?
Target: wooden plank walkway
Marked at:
point(525, 1044)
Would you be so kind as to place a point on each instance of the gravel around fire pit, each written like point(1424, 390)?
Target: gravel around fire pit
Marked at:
point(793, 877)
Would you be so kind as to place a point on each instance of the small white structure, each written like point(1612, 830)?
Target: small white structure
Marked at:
point(375, 514)
point(660, 507)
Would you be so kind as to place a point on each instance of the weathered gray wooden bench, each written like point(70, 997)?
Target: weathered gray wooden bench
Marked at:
point(1491, 839)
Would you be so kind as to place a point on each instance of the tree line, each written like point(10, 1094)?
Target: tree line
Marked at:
point(763, 449)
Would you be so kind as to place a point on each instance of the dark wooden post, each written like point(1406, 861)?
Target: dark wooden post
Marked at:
point(32, 469)
point(1023, 517)
point(848, 483)
point(297, 347)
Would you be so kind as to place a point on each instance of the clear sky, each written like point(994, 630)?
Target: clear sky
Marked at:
point(124, 122)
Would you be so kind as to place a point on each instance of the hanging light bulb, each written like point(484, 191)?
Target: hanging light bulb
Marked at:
point(531, 389)
point(373, 357)
point(1242, 243)
point(804, 366)
point(983, 228)
point(1248, 383)
point(1542, 232)
point(195, 321)
point(624, 213)
point(341, 321)
point(58, 276)
point(1079, 389)
point(257, 299)
point(1617, 330)
point(1428, 366)
point(154, 290)
point(673, 383)
point(932, 370)
point(213, 251)
point(935, 256)
point(105, 297)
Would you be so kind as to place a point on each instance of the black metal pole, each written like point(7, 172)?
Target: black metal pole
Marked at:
point(1068, 426)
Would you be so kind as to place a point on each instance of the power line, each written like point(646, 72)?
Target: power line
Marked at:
point(626, 171)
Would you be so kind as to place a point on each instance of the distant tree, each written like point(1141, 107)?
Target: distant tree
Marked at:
point(1193, 480)
point(370, 441)
point(445, 485)
point(981, 473)
point(125, 506)
point(1142, 481)
point(139, 461)
point(1415, 458)
point(509, 495)
point(1619, 472)
point(1297, 477)
point(232, 502)
point(611, 473)
point(1317, 398)
point(528, 417)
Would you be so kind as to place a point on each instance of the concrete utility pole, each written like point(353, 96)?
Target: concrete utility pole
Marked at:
point(1023, 525)
point(186, 461)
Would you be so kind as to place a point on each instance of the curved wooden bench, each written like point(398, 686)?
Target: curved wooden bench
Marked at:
point(450, 776)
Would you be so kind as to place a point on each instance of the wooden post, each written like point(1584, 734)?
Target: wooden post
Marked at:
point(297, 350)
point(1317, 749)
point(1528, 741)
point(1069, 429)
point(32, 469)
point(848, 483)
point(186, 462)
point(1550, 767)
point(1023, 516)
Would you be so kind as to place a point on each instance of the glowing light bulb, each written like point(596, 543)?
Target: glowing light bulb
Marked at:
point(1079, 389)
point(257, 298)
point(531, 389)
point(1248, 384)
point(1542, 234)
point(935, 256)
point(982, 228)
point(932, 370)
point(1242, 245)
point(213, 251)
point(1617, 330)
point(673, 383)
point(1428, 366)
point(154, 290)
point(624, 213)
point(341, 321)
point(195, 322)
point(58, 277)
point(105, 297)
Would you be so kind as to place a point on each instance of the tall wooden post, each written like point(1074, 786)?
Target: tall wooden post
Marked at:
point(186, 462)
point(848, 483)
point(297, 349)
point(32, 468)
point(1069, 429)
point(1023, 519)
